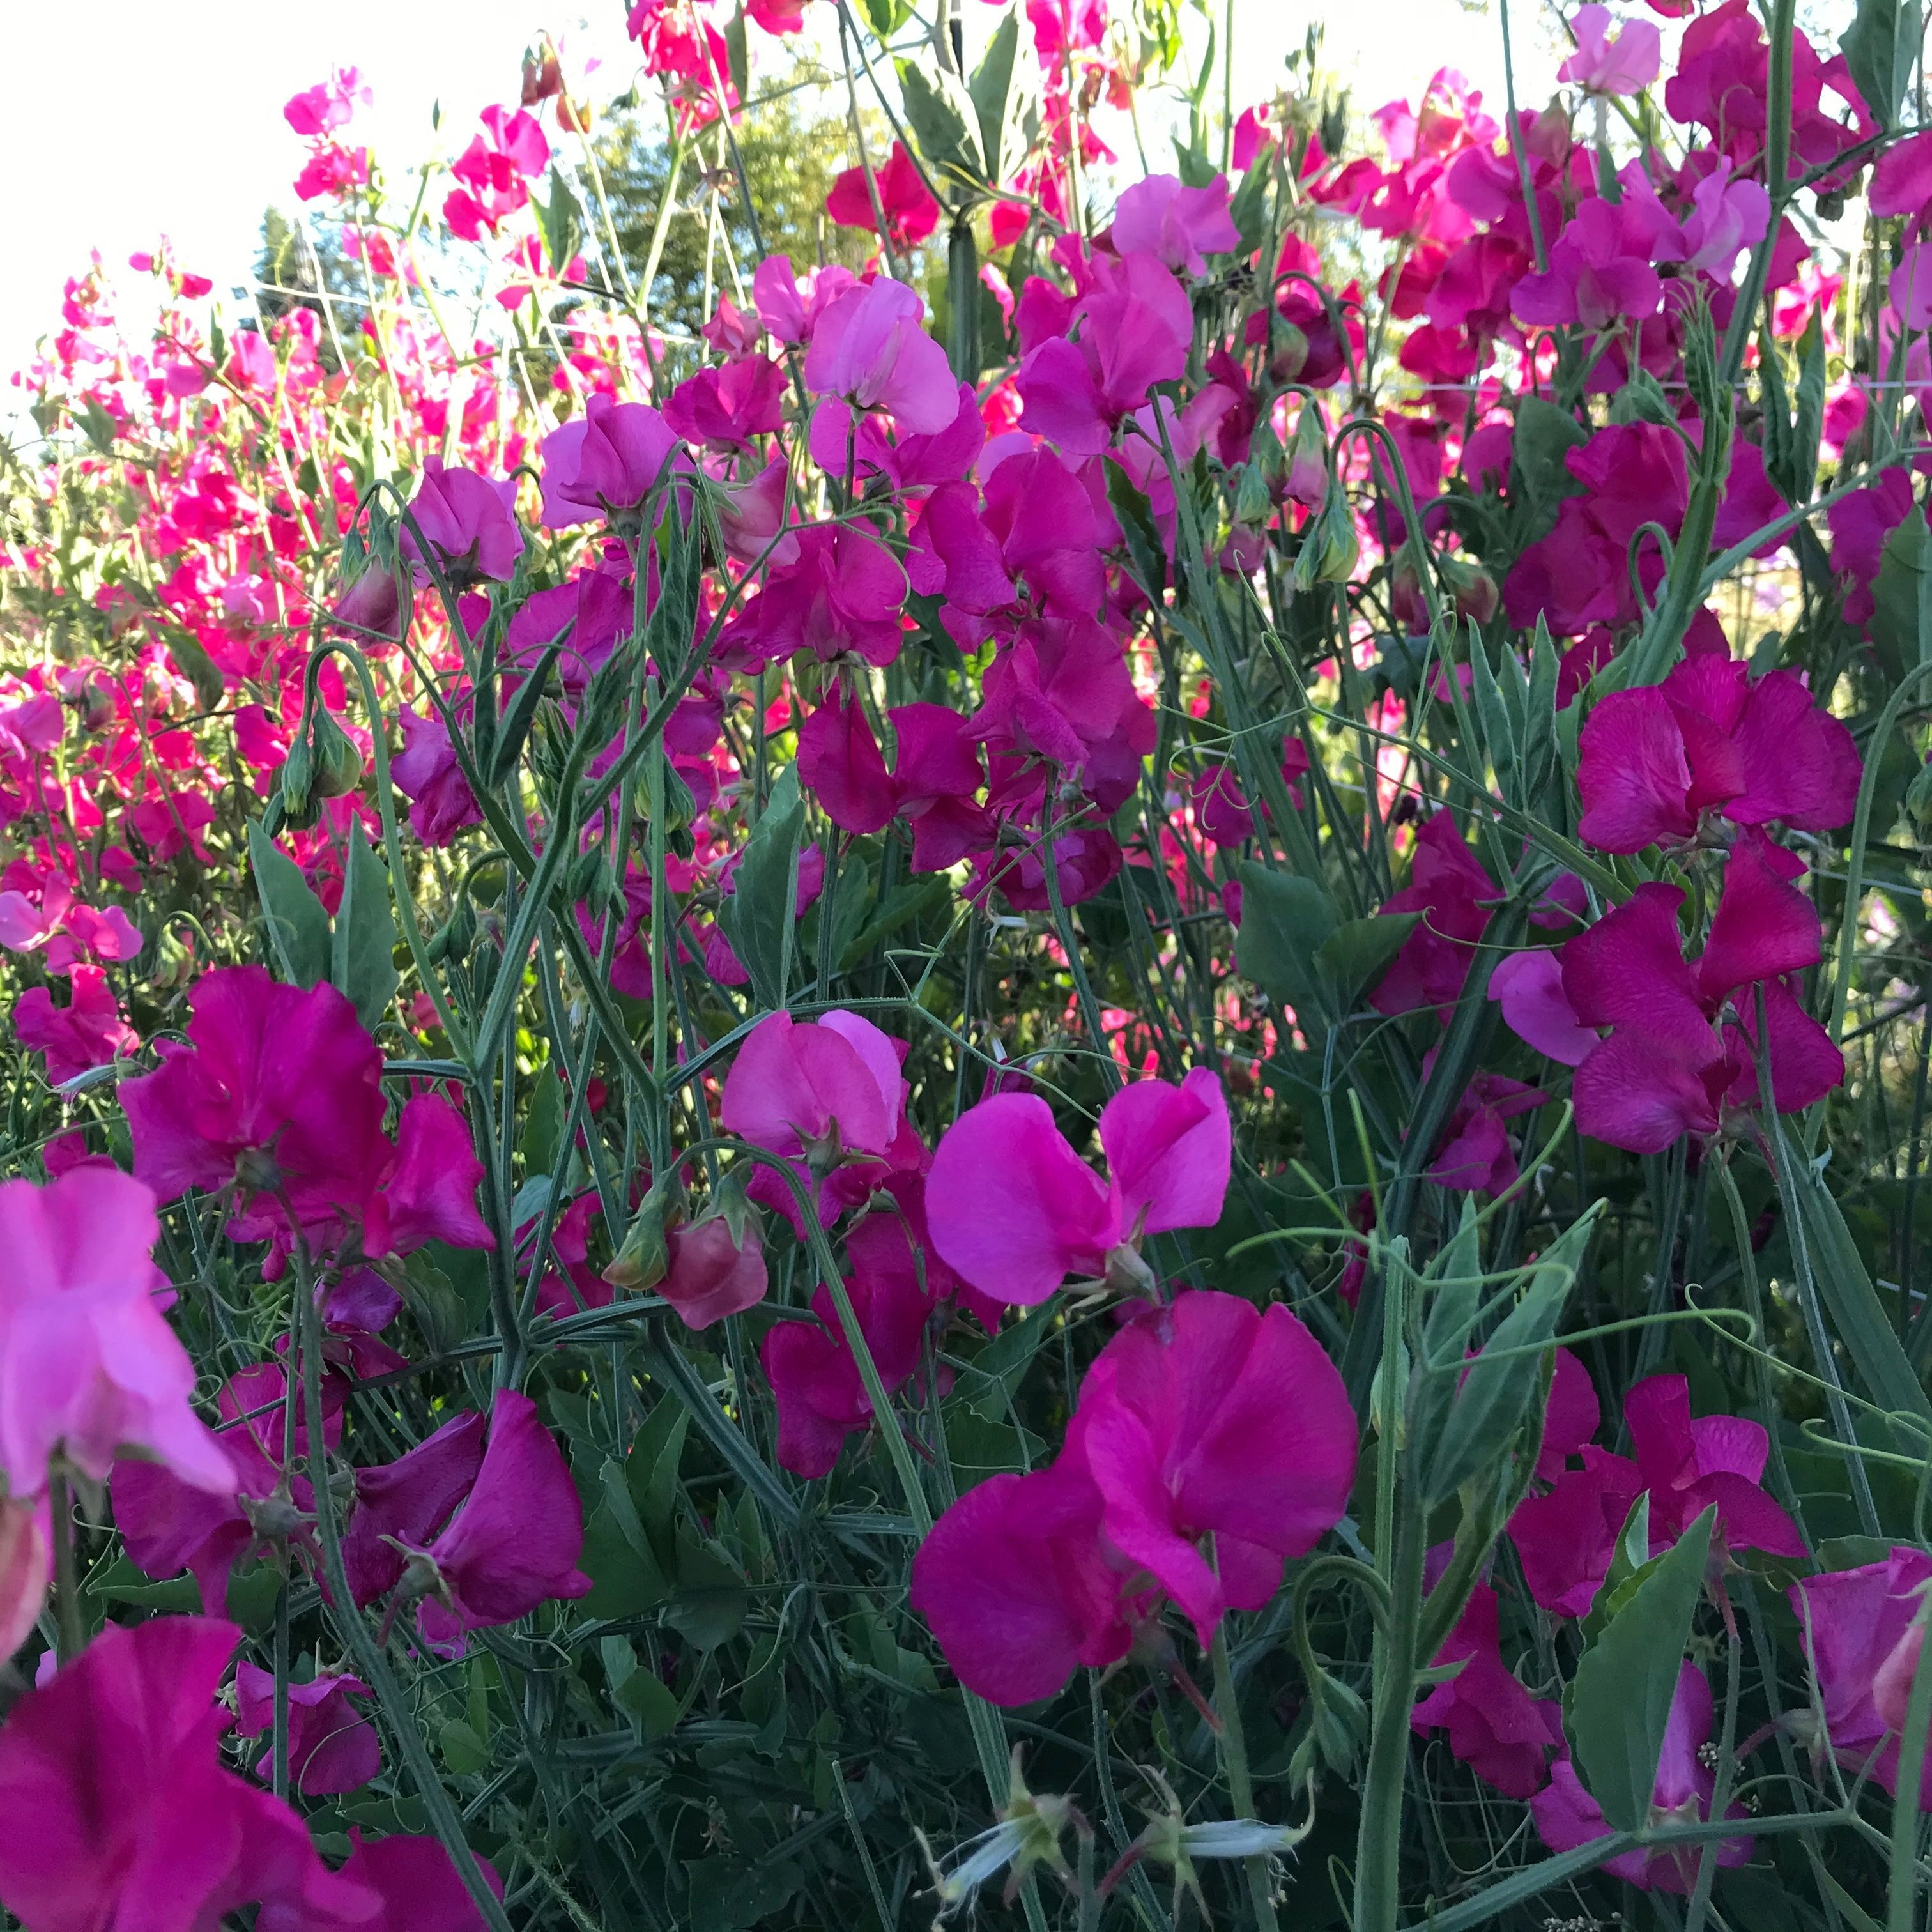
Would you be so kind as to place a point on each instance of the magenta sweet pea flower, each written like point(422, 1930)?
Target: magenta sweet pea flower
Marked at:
point(714, 1270)
point(819, 1090)
point(1863, 1630)
point(910, 212)
point(332, 1747)
point(842, 591)
point(723, 407)
point(1495, 1727)
point(26, 1569)
point(277, 1092)
point(89, 1365)
point(604, 463)
point(1567, 1815)
point(869, 348)
point(1688, 1466)
point(412, 1883)
point(840, 763)
point(936, 781)
point(429, 1193)
point(789, 305)
point(1476, 1155)
point(408, 1502)
point(1207, 1419)
point(1179, 227)
point(1626, 62)
point(1567, 1537)
point(1167, 1148)
point(469, 521)
point(114, 1809)
point(514, 1542)
point(88, 1031)
point(1709, 740)
point(1452, 889)
point(426, 772)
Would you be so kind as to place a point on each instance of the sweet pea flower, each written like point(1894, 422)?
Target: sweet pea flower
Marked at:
point(276, 1094)
point(713, 1269)
point(114, 1809)
point(426, 772)
point(842, 592)
point(1167, 1148)
point(869, 347)
point(88, 1031)
point(26, 1568)
point(1626, 63)
point(1179, 227)
point(603, 464)
point(468, 521)
point(1206, 1419)
point(820, 1090)
point(911, 213)
point(89, 1365)
point(1863, 1630)
point(407, 1502)
point(1567, 1815)
point(414, 1886)
point(332, 1748)
point(1711, 740)
point(514, 1542)
point(789, 307)
point(723, 407)
point(1450, 887)
point(1495, 1727)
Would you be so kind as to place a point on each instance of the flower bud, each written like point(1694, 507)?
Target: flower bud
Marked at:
point(716, 1266)
point(1287, 351)
point(337, 763)
point(644, 1258)
point(370, 607)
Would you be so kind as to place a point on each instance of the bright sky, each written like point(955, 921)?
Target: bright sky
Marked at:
point(130, 120)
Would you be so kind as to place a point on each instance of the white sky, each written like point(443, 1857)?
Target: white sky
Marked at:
point(128, 120)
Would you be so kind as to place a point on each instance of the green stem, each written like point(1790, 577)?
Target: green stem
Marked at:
point(1240, 1786)
point(71, 1624)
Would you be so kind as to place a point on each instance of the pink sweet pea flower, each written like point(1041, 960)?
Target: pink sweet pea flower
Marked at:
point(1863, 1629)
point(277, 1093)
point(26, 1569)
point(1901, 181)
point(515, 1543)
point(1179, 227)
point(1169, 1149)
point(1567, 1815)
point(1688, 1466)
point(1529, 987)
point(469, 521)
point(429, 1193)
point(1626, 64)
point(713, 1270)
point(789, 307)
point(1566, 1538)
point(839, 762)
point(936, 781)
point(408, 1502)
point(332, 1747)
point(88, 1031)
point(1181, 1432)
point(89, 1365)
point(114, 1809)
point(842, 591)
point(415, 1887)
point(1452, 889)
point(910, 212)
point(870, 348)
point(725, 407)
point(1570, 1417)
point(1495, 1727)
point(1710, 739)
point(604, 463)
point(426, 774)
point(820, 1090)
point(1476, 1156)
point(1599, 273)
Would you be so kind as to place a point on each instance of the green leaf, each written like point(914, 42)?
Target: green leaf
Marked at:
point(711, 1603)
point(1838, 1271)
point(1500, 1385)
point(1544, 436)
point(297, 925)
point(561, 219)
point(514, 733)
point(649, 1698)
point(886, 16)
point(990, 88)
point(544, 1124)
point(362, 963)
point(1901, 623)
point(1620, 1699)
point(1500, 743)
point(737, 55)
point(911, 902)
point(758, 918)
point(1880, 47)
point(462, 1750)
point(1285, 919)
point(939, 115)
point(625, 1577)
point(1147, 550)
point(962, 299)
point(199, 668)
point(1249, 209)
point(1357, 953)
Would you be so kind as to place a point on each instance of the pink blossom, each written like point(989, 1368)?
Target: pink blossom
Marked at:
point(843, 592)
point(839, 762)
point(87, 1364)
point(88, 1031)
point(822, 1090)
point(114, 1809)
point(1710, 739)
point(1626, 64)
point(604, 463)
point(429, 1193)
point(935, 781)
point(1688, 1466)
point(514, 1542)
point(408, 1502)
point(1180, 226)
point(869, 347)
point(1901, 180)
point(1450, 886)
point(1167, 1148)
point(469, 521)
point(1599, 273)
point(789, 307)
point(415, 1886)
point(1567, 1537)
point(725, 407)
point(332, 1747)
point(910, 212)
point(1529, 987)
point(26, 1569)
point(426, 772)
point(714, 1270)
point(1567, 1815)
point(277, 1094)
point(1495, 1726)
point(1863, 1629)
